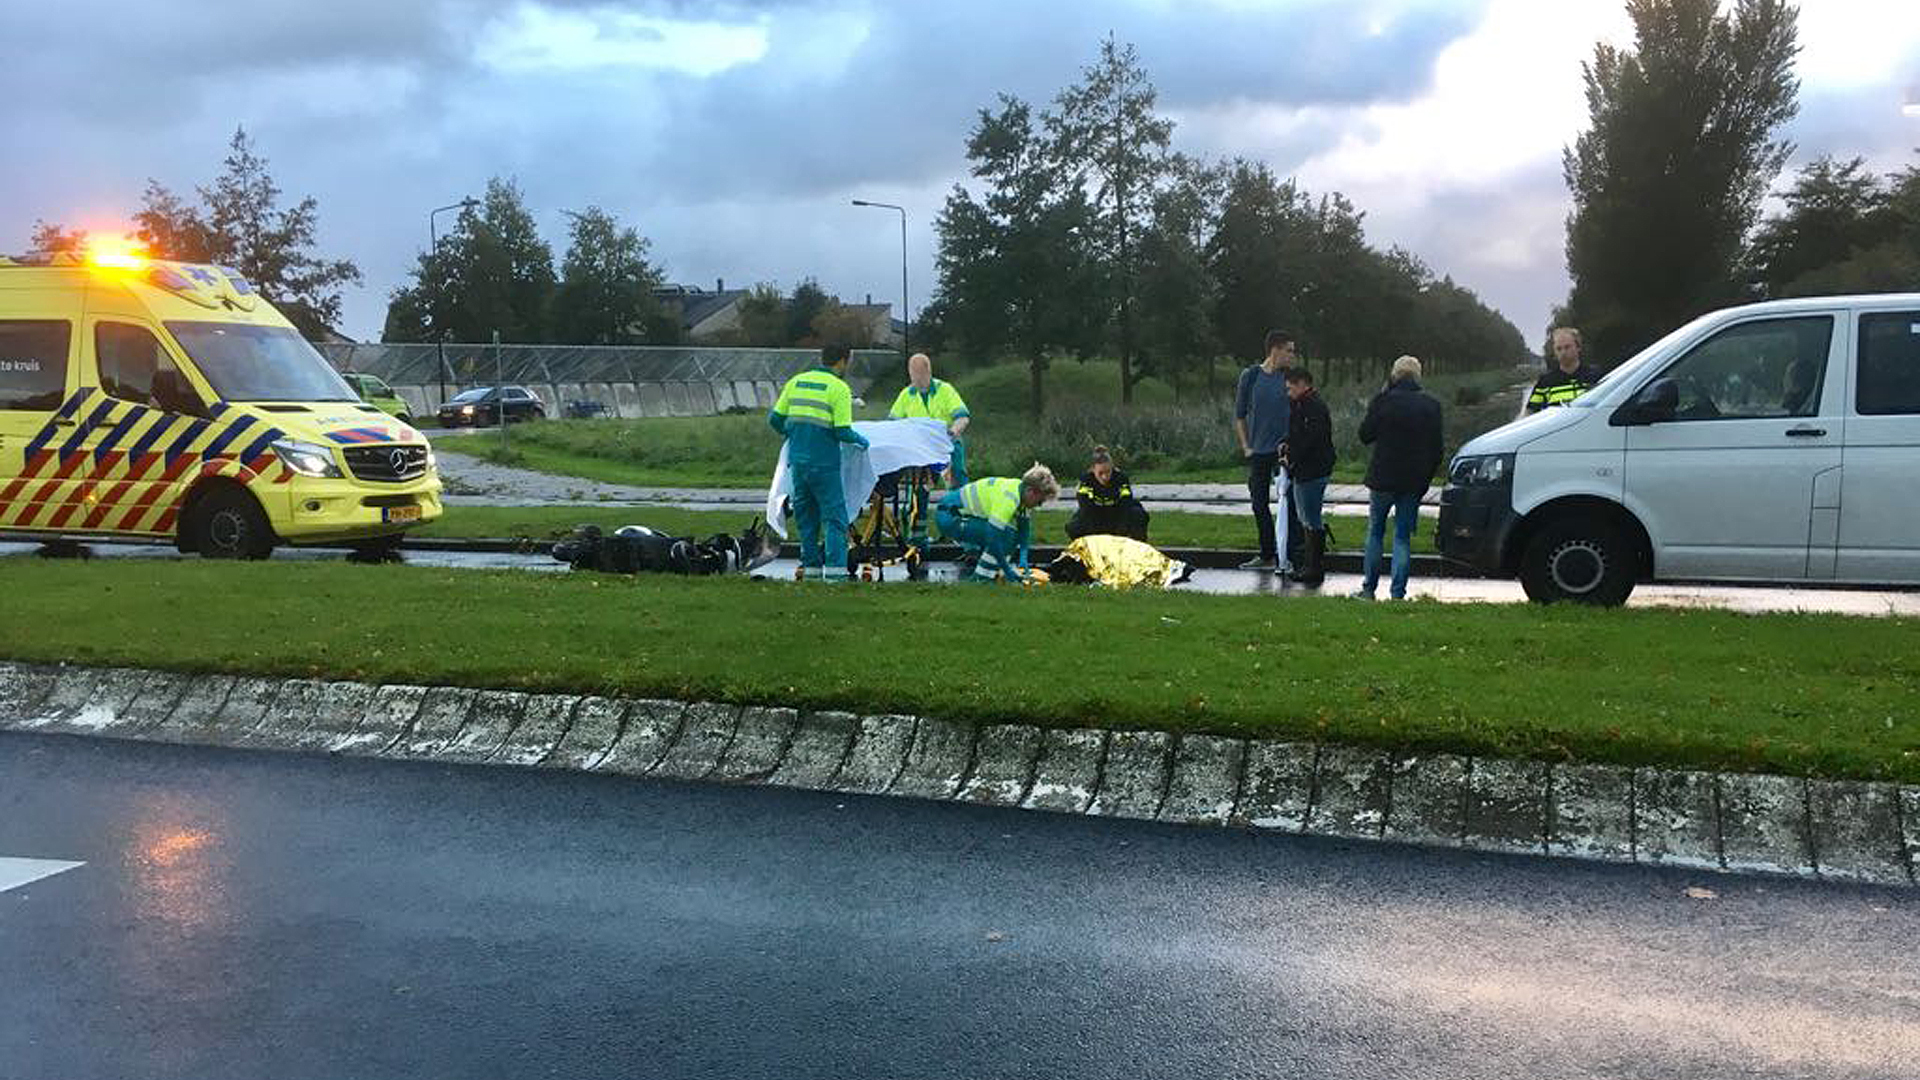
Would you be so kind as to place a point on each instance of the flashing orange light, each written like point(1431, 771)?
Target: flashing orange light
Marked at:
point(111, 252)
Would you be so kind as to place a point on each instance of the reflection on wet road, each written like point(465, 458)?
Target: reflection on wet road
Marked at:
point(1755, 600)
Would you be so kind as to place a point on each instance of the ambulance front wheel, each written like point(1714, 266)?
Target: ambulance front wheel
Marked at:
point(228, 524)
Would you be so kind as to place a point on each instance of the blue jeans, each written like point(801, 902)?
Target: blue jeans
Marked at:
point(820, 505)
point(1308, 495)
point(1406, 514)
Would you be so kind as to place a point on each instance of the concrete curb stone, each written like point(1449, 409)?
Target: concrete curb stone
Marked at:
point(1351, 792)
point(103, 709)
point(1003, 765)
point(705, 733)
point(22, 688)
point(387, 718)
point(1068, 774)
point(1910, 829)
point(820, 743)
point(68, 695)
point(203, 699)
point(1856, 832)
point(649, 732)
point(939, 761)
point(759, 744)
point(1590, 812)
point(1847, 830)
point(1507, 805)
point(1204, 785)
point(244, 708)
point(330, 712)
point(595, 728)
point(1763, 824)
point(1675, 819)
point(281, 717)
point(442, 713)
point(159, 694)
point(1276, 791)
point(490, 723)
point(542, 726)
point(879, 752)
point(1427, 802)
point(1133, 784)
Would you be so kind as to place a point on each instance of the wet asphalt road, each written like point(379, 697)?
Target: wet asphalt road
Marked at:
point(1751, 599)
point(252, 915)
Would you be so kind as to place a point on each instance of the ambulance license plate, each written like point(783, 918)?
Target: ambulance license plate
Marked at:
point(395, 515)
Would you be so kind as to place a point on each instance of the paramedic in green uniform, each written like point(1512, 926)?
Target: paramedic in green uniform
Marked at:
point(815, 413)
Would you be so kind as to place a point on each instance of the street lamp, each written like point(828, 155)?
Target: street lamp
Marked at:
point(433, 248)
point(906, 319)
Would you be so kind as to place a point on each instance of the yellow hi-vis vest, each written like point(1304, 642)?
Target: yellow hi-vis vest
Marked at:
point(995, 500)
point(941, 402)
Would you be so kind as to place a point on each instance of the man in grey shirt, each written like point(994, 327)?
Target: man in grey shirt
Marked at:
point(1260, 411)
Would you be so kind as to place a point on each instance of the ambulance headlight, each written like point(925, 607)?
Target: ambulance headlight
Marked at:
point(305, 458)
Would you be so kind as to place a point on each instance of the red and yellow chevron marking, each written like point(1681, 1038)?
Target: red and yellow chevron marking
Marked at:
point(224, 467)
point(117, 491)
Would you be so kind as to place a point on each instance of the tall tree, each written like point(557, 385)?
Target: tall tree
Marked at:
point(1178, 293)
point(806, 304)
point(1668, 181)
point(491, 272)
point(1016, 270)
point(1843, 231)
point(605, 295)
point(762, 315)
point(1108, 137)
point(241, 224)
point(53, 237)
point(1258, 255)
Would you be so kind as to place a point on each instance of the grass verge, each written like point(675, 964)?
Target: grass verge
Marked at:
point(1699, 689)
point(1170, 528)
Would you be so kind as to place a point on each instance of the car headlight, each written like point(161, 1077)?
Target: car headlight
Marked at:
point(305, 458)
point(467, 409)
point(1481, 469)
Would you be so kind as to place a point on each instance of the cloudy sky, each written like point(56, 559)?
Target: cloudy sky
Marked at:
point(733, 134)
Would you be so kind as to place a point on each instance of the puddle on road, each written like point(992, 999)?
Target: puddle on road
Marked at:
point(1752, 600)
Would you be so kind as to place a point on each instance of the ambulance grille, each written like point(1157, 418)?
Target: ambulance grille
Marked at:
point(387, 464)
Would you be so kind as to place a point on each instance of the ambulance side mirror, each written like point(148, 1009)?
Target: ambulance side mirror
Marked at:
point(173, 393)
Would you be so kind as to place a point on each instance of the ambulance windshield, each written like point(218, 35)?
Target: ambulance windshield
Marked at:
point(259, 363)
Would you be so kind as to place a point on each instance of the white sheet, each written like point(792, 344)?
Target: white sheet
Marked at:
point(896, 444)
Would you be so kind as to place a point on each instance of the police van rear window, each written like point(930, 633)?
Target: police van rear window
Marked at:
point(33, 363)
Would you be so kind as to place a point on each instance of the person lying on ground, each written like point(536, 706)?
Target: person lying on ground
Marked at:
point(1107, 505)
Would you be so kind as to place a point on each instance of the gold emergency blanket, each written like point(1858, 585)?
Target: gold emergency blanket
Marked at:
point(1121, 563)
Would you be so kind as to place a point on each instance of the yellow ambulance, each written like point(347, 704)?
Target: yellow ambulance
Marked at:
point(163, 400)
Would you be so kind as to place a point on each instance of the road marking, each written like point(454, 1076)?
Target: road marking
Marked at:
point(17, 872)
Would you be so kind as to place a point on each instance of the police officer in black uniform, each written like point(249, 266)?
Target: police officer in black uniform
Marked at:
point(1567, 379)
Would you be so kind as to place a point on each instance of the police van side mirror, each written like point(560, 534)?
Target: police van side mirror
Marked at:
point(1656, 402)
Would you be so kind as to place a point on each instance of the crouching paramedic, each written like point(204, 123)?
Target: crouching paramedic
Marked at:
point(815, 413)
point(994, 517)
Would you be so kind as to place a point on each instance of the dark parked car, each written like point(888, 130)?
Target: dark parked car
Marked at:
point(481, 405)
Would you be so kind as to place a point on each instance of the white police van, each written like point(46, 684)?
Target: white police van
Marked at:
point(1775, 442)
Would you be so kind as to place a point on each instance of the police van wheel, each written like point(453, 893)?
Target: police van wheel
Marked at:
point(1580, 561)
point(229, 524)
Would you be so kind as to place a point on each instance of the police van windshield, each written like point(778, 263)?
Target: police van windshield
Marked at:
point(259, 363)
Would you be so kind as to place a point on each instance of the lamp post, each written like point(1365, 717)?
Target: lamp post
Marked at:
point(906, 319)
point(433, 248)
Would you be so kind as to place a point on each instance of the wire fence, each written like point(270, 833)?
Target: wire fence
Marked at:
point(467, 364)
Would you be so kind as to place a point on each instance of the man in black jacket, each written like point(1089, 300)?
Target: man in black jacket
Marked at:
point(1403, 427)
point(1107, 505)
point(1307, 455)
